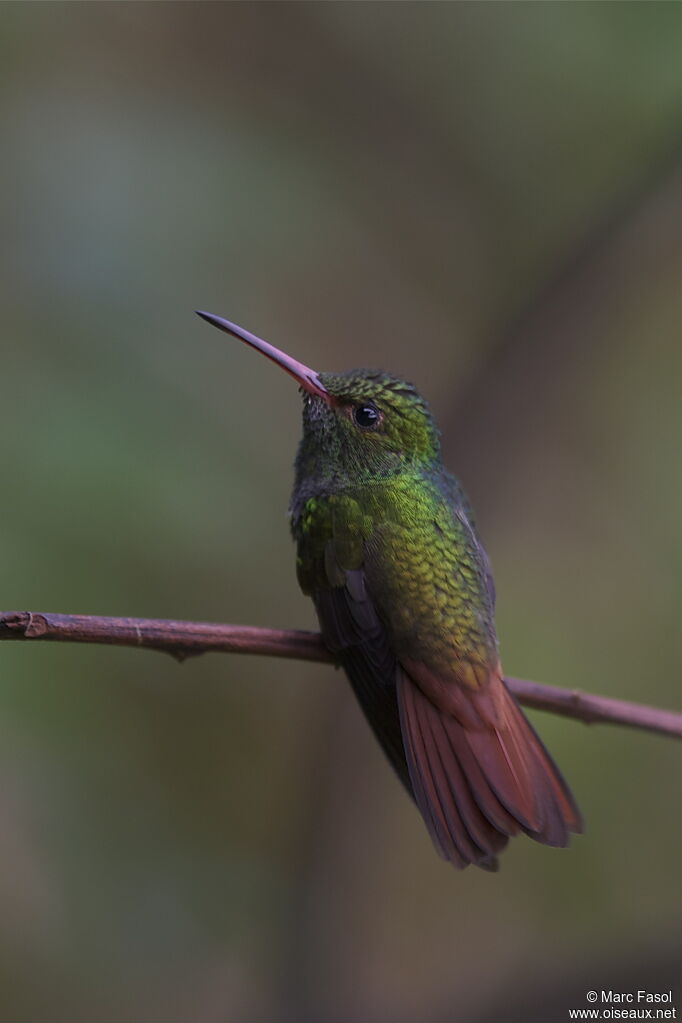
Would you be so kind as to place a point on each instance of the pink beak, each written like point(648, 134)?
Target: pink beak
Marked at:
point(306, 377)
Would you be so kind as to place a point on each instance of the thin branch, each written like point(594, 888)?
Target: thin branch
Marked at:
point(185, 639)
point(180, 639)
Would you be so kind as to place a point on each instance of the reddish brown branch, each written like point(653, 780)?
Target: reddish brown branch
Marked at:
point(184, 639)
point(181, 639)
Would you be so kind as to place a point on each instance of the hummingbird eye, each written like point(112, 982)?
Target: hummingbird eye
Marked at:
point(367, 416)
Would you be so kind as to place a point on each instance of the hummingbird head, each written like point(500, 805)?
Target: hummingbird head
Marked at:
point(371, 423)
point(358, 426)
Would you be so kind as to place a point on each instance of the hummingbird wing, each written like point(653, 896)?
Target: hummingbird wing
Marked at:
point(352, 629)
point(330, 568)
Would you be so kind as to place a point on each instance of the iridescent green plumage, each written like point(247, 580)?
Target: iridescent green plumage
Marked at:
point(395, 511)
point(388, 551)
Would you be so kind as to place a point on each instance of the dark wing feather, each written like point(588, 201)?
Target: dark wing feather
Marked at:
point(352, 629)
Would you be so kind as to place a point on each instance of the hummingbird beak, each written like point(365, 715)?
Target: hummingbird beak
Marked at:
point(303, 375)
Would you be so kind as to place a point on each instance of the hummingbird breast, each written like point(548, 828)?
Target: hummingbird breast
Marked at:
point(421, 562)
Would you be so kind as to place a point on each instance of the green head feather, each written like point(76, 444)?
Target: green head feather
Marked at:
point(375, 427)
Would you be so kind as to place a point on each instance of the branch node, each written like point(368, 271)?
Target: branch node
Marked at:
point(180, 654)
point(16, 622)
point(35, 625)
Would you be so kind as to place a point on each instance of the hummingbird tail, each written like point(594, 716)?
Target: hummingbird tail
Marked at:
point(479, 781)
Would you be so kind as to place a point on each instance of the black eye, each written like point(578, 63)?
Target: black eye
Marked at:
point(367, 416)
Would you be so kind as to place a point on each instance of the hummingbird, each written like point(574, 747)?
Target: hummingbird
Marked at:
point(388, 549)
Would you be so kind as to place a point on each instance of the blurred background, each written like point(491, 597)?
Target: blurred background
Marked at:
point(483, 198)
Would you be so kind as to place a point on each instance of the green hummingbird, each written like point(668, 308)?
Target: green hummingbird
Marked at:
point(388, 550)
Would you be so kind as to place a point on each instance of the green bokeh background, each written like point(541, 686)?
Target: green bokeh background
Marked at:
point(484, 198)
